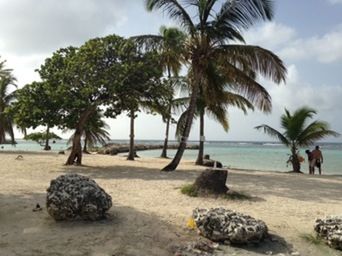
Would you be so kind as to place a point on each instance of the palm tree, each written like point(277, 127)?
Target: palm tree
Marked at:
point(173, 105)
point(298, 132)
point(211, 30)
point(6, 122)
point(217, 108)
point(169, 43)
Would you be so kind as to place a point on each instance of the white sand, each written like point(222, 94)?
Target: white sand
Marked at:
point(149, 213)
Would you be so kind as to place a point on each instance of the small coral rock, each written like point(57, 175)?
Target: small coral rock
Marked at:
point(330, 229)
point(225, 225)
point(74, 196)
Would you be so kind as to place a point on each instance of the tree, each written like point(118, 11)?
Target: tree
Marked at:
point(6, 97)
point(83, 79)
point(298, 132)
point(42, 137)
point(211, 30)
point(37, 105)
point(169, 44)
point(141, 88)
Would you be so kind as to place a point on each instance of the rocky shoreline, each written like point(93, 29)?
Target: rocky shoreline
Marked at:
point(114, 149)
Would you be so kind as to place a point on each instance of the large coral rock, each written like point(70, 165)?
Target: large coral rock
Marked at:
point(74, 196)
point(225, 225)
point(330, 229)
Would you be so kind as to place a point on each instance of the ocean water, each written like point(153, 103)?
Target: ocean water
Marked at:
point(266, 156)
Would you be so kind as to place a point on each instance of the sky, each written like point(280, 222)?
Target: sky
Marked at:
point(305, 34)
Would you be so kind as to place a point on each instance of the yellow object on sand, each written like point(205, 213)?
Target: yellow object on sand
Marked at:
point(191, 223)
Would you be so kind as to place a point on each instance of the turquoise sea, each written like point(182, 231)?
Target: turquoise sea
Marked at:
point(235, 154)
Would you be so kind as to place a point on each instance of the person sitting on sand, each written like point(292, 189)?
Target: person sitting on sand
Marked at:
point(311, 170)
point(317, 159)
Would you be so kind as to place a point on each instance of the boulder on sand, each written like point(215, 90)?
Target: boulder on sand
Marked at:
point(330, 229)
point(221, 225)
point(75, 196)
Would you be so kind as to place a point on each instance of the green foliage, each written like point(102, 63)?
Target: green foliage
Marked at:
point(212, 27)
point(298, 131)
point(6, 97)
point(37, 104)
point(189, 190)
point(40, 137)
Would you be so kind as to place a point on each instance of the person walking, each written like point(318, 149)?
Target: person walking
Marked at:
point(309, 154)
point(317, 159)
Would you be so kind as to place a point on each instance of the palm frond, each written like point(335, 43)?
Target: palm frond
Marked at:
point(148, 42)
point(273, 133)
point(247, 87)
point(174, 10)
point(220, 114)
point(315, 131)
point(241, 15)
point(256, 59)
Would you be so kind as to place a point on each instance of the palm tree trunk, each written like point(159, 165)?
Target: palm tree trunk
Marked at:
point(47, 147)
point(131, 138)
point(185, 134)
point(2, 134)
point(295, 160)
point(164, 152)
point(85, 149)
point(11, 132)
point(199, 160)
point(75, 156)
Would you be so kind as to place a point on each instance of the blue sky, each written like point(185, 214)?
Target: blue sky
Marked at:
point(306, 34)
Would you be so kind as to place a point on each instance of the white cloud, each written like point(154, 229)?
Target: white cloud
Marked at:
point(286, 42)
point(271, 35)
point(325, 49)
point(37, 26)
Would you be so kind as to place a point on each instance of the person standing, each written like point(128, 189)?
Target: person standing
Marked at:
point(317, 159)
point(311, 170)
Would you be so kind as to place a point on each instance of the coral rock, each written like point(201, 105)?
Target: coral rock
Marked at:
point(223, 225)
point(74, 196)
point(330, 229)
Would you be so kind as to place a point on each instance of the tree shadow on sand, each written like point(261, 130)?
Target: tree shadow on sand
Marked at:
point(125, 231)
point(299, 187)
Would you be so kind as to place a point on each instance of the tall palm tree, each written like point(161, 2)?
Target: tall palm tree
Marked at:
point(298, 132)
point(6, 96)
point(213, 27)
point(169, 43)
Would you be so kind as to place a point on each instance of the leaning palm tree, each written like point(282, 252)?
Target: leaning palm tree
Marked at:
point(298, 132)
point(6, 96)
point(213, 27)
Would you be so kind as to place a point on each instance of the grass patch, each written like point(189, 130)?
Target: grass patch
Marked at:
point(238, 196)
point(312, 239)
point(190, 190)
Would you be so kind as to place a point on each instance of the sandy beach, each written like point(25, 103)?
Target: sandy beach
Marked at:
point(149, 213)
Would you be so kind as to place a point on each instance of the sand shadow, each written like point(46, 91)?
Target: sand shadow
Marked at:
point(126, 231)
point(294, 186)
